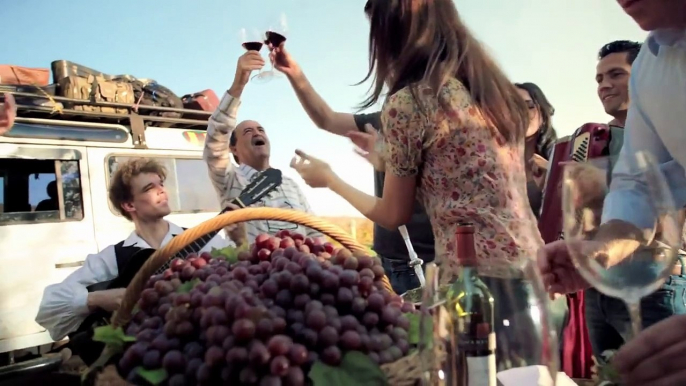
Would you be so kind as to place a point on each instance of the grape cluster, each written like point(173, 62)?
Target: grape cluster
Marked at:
point(264, 320)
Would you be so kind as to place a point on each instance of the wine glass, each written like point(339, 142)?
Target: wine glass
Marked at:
point(621, 259)
point(275, 36)
point(520, 334)
point(252, 41)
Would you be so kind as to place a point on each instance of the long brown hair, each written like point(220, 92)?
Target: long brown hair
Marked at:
point(415, 42)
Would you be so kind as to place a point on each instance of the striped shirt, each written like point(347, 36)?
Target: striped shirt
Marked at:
point(229, 180)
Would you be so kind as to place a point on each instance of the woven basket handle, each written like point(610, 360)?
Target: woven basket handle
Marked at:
point(162, 255)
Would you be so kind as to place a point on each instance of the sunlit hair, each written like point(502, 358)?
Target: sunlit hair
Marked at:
point(413, 42)
point(120, 183)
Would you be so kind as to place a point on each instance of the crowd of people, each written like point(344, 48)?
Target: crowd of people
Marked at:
point(455, 141)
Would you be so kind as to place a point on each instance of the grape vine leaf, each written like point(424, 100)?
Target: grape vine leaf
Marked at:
point(112, 337)
point(414, 334)
point(187, 286)
point(154, 377)
point(229, 254)
point(355, 369)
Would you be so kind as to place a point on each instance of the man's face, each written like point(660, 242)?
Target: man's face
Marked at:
point(655, 14)
point(612, 75)
point(150, 200)
point(252, 143)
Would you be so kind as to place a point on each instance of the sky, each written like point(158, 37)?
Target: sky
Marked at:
point(190, 46)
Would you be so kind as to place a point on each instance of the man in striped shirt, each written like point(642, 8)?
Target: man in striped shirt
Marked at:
point(247, 141)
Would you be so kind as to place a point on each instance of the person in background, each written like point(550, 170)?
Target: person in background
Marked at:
point(388, 243)
point(8, 112)
point(453, 136)
point(538, 146)
point(654, 124)
point(137, 191)
point(249, 144)
point(539, 142)
point(612, 75)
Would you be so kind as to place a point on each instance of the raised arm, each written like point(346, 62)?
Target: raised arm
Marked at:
point(222, 123)
point(65, 305)
point(316, 108)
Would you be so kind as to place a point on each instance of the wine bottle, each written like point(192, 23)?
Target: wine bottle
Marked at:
point(470, 305)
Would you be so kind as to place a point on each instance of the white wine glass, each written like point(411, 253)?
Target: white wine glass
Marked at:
point(524, 338)
point(619, 258)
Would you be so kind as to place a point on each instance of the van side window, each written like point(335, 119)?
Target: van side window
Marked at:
point(188, 184)
point(37, 190)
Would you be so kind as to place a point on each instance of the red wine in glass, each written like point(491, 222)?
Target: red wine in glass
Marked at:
point(252, 46)
point(274, 38)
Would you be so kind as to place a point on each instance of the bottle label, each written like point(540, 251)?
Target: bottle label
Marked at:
point(481, 371)
point(470, 343)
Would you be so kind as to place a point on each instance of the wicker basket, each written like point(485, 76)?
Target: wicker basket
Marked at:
point(404, 372)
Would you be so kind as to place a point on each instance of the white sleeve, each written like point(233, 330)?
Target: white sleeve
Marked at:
point(65, 305)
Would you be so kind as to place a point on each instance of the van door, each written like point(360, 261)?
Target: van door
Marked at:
point(46, 231)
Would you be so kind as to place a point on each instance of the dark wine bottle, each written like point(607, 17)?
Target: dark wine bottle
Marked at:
point(470, 305)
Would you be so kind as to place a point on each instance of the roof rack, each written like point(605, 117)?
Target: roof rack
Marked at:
point(138, 117)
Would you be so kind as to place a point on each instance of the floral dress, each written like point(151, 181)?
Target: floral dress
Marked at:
point(466, 172)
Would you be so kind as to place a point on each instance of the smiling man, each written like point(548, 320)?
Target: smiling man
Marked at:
point(249, 144)
point(612, 75)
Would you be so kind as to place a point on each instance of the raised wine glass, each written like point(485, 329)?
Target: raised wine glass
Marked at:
point(252, 41)
point(623, 258)
point(275, 36)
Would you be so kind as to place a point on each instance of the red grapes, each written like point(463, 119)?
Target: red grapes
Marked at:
point(265, 319)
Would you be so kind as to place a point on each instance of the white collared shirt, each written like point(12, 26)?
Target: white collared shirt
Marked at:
point(229, 180)
point(64, 305)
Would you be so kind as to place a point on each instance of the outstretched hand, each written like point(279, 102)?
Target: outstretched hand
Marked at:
point(366, 145)
point(283, 61)
point(315, 172)
point(8, 112)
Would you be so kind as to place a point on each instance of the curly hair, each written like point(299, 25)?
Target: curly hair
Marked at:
point(546, 133)
point(120, 191)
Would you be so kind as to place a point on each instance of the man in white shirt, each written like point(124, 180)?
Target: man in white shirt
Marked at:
point(654, 124)
point(137, 191)
point(247, 141)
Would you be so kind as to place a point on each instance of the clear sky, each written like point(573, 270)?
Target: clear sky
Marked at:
point(191, 45)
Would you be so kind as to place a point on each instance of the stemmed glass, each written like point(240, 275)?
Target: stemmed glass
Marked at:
point(523, 336)
point(252, 41)
point(275, 36)
point(620, 259)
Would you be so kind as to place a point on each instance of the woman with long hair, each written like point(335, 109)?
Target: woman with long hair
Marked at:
point(453, 135)
point(539, 140)
point(453, 132)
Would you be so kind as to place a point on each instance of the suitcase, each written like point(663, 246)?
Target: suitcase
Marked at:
point(96, 89)
point(64, 68)
point(204, 101)
point(24, 76)
point(41, 97)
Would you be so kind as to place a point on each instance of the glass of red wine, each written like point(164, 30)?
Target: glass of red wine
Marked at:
point(252, 41)
point(274, 37)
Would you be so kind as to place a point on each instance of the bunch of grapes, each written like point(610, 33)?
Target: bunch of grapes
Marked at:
point(267, 318)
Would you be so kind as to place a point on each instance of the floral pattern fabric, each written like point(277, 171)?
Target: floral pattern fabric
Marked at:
point(466, 172)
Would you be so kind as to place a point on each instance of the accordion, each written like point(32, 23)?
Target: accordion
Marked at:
point(591, 140)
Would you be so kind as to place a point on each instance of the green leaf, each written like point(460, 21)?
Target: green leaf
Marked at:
point(154, 377)
point(187, 286)
point(355, 369)
point(229, 254)
point(112, 337)
point(415, 333)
